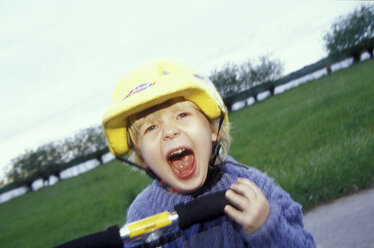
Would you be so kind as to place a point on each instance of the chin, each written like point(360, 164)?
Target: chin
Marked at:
point(190, 186)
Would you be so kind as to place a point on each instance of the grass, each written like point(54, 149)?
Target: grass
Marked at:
point(72, 208)
point(316, 140)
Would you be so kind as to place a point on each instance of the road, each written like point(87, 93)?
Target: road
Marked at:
point(346, 222)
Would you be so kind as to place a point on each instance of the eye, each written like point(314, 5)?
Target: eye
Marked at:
point(182, 115)
point(150, 129)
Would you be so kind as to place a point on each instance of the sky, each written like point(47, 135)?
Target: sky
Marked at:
point(60, 60)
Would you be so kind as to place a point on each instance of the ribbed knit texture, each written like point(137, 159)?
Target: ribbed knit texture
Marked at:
point(283, 228)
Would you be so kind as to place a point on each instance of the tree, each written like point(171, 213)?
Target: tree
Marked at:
point(54, 157)
point(91, 143)
point(352, 34)
point(227, 83)
point(246, 74)
point(23, 170)
point(226, 80)
point(265, 71)
point(41, 160)
point(232, 79)
point(50, 161)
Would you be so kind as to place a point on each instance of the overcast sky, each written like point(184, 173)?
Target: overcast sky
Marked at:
point(60, 60)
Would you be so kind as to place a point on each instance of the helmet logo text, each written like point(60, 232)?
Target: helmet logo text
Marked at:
point(139, 88)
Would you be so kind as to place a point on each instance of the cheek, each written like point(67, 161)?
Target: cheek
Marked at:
point(206, 140)
point(148, 158)
point(150, 149)
point(146, 149)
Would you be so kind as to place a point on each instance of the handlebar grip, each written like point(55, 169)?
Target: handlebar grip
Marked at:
point(201, 209)
point(147, 225)
point(109, 239)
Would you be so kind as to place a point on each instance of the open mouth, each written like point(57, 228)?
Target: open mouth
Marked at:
point(182, 162)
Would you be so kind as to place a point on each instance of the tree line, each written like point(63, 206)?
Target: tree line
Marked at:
point(232, 79)
point(349, 36)
point(52, 158)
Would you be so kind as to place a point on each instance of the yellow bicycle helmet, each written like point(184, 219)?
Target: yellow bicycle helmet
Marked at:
point(151, 84)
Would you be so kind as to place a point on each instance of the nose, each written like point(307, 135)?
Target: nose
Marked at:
point(170, 132)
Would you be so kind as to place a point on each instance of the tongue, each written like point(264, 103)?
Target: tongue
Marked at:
point(183, 165)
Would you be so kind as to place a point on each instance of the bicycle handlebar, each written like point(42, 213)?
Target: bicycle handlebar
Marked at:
point(109, 238)
point(199, 210)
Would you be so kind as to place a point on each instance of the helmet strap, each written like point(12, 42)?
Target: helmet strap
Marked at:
point(147, 171)
point(216, 145)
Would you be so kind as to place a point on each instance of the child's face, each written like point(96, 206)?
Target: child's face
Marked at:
point(176, 143)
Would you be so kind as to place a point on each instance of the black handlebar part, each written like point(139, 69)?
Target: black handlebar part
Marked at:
point(109, 239)
point(201, 209)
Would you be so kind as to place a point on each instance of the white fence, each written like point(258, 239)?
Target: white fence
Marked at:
point(70, 172)
point(298, 81)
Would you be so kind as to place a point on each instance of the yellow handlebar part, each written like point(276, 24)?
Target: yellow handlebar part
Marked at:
point(149, 224)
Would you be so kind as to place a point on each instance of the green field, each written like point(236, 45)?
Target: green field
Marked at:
point(316, 140)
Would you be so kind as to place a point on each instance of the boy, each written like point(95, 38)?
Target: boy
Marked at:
point(175, 125)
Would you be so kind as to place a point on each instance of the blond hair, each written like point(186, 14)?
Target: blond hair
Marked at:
point(137, 120)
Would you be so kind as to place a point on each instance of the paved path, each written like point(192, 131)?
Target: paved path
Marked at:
point(346, 222)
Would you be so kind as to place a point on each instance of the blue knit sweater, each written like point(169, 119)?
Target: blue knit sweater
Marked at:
point(283, 228)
